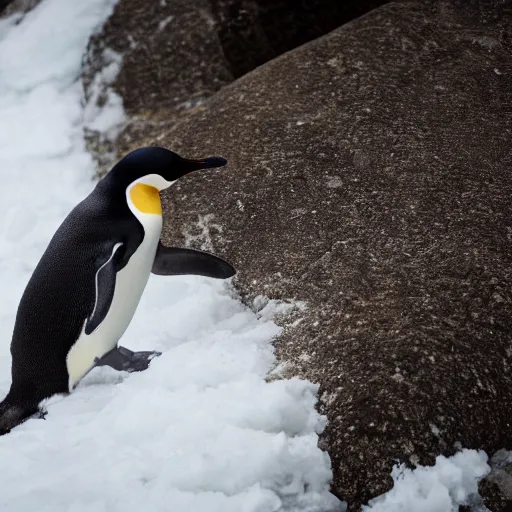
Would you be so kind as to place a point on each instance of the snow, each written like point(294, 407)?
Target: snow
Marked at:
point(442, 488)
point(203, 429)
point(108, 118)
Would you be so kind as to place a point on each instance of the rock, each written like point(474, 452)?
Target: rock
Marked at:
point(9, 7)
point(253, 32)
point(4, 4)
point(496, 489)
point(171, 54)
point(369, 175)
point(171, 62)
point(176, 54)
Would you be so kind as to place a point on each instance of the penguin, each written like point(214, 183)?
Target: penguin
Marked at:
point(87, 285)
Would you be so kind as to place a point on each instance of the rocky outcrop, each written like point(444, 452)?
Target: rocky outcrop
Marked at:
point(369, 176)
point(496, 489)
point(172, 58)
point(176, 53)
point(172, 62)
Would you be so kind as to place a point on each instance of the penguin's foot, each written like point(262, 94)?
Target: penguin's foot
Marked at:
point(122, 359)
point(39, 415)
point(12, 416)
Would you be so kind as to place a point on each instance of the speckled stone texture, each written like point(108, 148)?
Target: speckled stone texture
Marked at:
point(370, 175)
point(171, 54)
point(177, 53)
point(172, 61)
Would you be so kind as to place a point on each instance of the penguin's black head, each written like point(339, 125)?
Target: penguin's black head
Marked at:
point(161, 166)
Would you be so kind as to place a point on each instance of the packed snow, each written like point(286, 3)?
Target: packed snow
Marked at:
point(451, 482)
point(202, 429)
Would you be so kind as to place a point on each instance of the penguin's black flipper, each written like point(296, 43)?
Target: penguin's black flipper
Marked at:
point(105, 284)
point(173, 261)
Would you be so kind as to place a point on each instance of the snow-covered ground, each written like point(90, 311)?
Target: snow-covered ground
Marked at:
point(201, 430)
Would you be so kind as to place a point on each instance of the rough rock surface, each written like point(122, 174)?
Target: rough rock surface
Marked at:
point(369, 175)
point(172, 61)
point(171, 54)
point(496, 489)
point(176, 54)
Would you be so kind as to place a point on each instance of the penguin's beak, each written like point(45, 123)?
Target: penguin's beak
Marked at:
point(186, 166)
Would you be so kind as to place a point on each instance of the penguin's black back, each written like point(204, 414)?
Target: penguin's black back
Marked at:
point(61, 293)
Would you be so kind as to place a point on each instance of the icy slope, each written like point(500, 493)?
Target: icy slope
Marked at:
point(201, 430)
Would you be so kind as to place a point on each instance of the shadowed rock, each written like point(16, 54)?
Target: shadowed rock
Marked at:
point(172, 61)
point(4, 4)
point(9, 7)
point(253, 32)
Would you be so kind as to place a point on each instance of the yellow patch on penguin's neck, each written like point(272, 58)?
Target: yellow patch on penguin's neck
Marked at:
point(146, 199)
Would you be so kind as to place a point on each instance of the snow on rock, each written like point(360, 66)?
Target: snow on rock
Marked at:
point(108, 118)
point(201, 430)
point(451, 482)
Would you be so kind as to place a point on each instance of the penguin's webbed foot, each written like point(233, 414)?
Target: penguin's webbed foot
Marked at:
point(12, 416)
point(122, 359)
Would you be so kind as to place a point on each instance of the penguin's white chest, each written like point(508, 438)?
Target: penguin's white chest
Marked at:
point(130, 284)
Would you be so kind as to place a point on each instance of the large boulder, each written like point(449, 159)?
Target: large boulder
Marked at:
point(171, 54)
point(175, 54)
point(163, 58)
point(369, 176)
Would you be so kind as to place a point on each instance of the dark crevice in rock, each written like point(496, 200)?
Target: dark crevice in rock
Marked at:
point(9, 7)
point(253, 32)
point(4, 4)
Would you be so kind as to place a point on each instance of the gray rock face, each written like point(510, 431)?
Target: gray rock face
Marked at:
point(177, 53)
point(172, 61)
point(497, 488)
point(369, 175)
point(171, 54)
